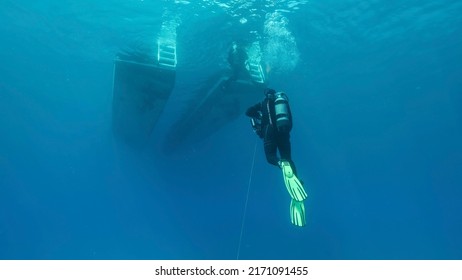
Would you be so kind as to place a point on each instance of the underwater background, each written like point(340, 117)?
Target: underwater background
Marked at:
point(375, 90)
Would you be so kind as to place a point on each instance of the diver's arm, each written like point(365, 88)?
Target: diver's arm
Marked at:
point(254, 111)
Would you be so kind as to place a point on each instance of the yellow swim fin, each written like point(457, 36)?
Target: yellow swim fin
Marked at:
point(297, 213)
point(293, 185)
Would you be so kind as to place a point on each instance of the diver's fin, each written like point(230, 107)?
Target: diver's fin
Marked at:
point(293, 185)
point(297, 213)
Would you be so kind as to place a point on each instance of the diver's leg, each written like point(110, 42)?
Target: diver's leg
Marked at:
point(285, 149)
point(293, 184)
point(270, 145)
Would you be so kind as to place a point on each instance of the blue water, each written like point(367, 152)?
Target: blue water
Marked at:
point(376, 93)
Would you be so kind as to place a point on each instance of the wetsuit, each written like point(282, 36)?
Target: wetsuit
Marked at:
point(273, 139)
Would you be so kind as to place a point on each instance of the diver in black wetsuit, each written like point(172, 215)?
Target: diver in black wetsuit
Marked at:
point(237, 59)
point(272, 121)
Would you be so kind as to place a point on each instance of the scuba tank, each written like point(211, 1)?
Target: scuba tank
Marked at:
point(282, 112)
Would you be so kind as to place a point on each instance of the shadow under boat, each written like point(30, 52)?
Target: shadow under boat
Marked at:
point(220, 101)
point(142, 86)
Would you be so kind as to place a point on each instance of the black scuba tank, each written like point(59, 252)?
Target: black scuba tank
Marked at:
point(281, 109)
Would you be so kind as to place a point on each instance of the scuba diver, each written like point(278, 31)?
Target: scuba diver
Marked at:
point(238, 62)
point(271, 120)
point(237, 59)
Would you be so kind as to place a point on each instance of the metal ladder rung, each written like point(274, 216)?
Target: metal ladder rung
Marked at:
point(256, 73)
point(171, 50)
point(168, 47)
point(167, 55)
